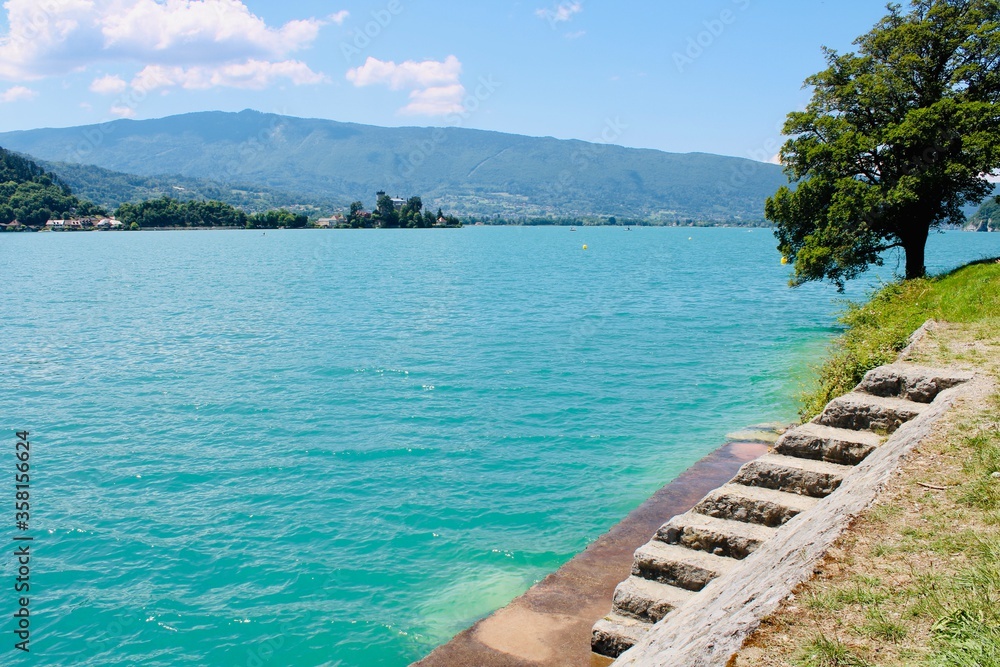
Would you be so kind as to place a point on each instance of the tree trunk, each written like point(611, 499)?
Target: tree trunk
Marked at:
point(914, 245)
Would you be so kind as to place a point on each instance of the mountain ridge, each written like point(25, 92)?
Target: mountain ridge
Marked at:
point(473, 172)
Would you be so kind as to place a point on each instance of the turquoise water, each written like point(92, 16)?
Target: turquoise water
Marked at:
point(340, 448)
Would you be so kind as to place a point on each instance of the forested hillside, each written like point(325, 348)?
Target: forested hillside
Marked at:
point(32, 196)
point(470, 172)
point(113, 188)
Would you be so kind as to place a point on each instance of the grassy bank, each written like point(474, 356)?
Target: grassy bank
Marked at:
point(880, 328)
point(916, 580)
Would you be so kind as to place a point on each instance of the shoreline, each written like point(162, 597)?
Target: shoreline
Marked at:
point(550, 624)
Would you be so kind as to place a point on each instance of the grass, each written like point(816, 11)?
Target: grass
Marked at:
point(823, 652)
point(968, 633)
point(879, 329)
point(916, 581)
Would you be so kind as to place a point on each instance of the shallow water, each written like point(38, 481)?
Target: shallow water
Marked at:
point(341, 447)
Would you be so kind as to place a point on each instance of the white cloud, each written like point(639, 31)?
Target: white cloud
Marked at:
point(108, 84)
point(123, 111)
point(339, 17)
point(253, 74)
point(408, 74)
point(201, 31)
point(575, 35)
point(435, 101)
point(17, 94)
point(562, 12)
point(993, 177)
point(435, 86)
point(59, 36)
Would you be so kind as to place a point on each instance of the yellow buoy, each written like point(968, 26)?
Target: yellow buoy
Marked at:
point(585, 246)
point(784, 260)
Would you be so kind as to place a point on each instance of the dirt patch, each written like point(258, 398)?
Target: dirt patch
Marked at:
point(881, 594)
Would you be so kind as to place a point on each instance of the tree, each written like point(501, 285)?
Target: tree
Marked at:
point(386, 212)
point(275, 219)
point(895, 140)
point(356, 217)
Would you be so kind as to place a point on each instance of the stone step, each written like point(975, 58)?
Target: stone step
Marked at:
point(859, 411)
point(826, 443)
point(647, 600)
point(679, 566)
point(614, 634)
point(914, 383)
point(752, 504)
point(722, 537)
point(816, 479)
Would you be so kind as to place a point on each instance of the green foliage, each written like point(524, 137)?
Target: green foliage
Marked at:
point(410, 214)
point(112, 189)
point(894, 141)
point(469, 172)
point(968, 633)
point(33, 196)
point(358, 218)
point(167, 212)
point(987, 218)
point(981, 490)
point(276, 219)
point(824, 652)
point(877, 330)
point(385, 214)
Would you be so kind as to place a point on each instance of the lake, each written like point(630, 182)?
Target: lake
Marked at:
point(342, 447)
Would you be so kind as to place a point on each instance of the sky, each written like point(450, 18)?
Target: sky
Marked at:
point(716, 76)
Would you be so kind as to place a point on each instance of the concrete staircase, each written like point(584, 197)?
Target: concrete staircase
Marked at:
point(807, 464)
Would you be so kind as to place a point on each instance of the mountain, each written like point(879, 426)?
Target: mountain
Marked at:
point(31, 196)
point(471, 172)
point(987, 218)
point(110, 189)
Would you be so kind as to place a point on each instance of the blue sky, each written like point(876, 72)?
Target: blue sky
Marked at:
point(715, 76)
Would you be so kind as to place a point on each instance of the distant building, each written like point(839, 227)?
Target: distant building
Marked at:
point(397, 202)
point(79, 224)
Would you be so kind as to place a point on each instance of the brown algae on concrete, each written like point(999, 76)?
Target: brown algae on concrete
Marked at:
point(550, 625)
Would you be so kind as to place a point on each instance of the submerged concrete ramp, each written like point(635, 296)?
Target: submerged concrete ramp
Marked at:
point(710, 575)
point(549, 626)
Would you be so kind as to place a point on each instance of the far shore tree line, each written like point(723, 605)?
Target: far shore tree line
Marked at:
point(387, 216)
point(897, 139)
point(169, 213)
